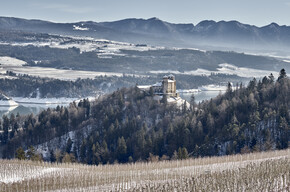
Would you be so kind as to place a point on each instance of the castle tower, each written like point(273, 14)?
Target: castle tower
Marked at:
point(165, 85)
point(169, 86)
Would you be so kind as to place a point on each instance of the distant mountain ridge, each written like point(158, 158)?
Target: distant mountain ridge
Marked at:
point(229, 35)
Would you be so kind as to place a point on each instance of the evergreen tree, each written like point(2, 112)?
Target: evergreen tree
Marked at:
point(184, 153)
point(6, 125)
point(121, 150)
point(83, 152)
point(52, 156)
point(20, 154)
point(229, 88)
point(282, 74)
point(68, 145)
point(32, 154)
point(271, 78)
point(192, 102)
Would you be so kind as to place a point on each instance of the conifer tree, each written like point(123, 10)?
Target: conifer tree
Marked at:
point(121, 150)
point(20, 154)
point(282, 74)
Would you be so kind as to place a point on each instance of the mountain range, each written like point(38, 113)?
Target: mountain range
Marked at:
point(222, 35)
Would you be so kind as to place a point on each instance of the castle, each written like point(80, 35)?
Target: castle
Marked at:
point(167, 87)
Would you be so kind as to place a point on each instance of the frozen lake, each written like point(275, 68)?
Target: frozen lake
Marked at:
point(200, 96)
point(25, 109)
point(36, 105)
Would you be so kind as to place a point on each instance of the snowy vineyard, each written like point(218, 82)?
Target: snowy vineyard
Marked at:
point(249, 172)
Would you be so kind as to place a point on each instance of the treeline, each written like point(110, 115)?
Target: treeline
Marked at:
point(129, 125)
point(12, 36)
point(29, 86)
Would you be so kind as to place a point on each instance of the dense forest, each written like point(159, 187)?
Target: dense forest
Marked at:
point(129, 125)
point(29, 86)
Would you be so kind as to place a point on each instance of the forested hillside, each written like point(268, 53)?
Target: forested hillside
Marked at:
point(129, 125)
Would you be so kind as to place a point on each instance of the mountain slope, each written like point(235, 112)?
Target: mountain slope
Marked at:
point(222, 34)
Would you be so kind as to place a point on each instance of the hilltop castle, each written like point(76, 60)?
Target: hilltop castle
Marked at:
point(165, 87)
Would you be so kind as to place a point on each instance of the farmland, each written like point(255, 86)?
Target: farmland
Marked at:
point(267, 171)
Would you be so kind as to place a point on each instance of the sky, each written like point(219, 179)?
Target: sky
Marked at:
point(254, 12)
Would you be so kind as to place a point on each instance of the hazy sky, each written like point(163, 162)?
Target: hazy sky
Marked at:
point(256, 12)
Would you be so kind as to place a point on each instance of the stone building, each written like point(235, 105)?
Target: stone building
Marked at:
point(166, 87)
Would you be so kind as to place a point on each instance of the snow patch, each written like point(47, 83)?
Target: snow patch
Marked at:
point(174, 100)
point(78, 28)
point(224, 68)
point(197, 72)
point(57, 73)
point(144, 87)
point(10, 61)
point(23, 174)
point(102, 47)
point(194, 49)
point(287, 61)
point(60, 142)
point(178, 101)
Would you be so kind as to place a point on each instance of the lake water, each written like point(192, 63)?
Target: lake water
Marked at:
point(200, 96)
point(24, 109)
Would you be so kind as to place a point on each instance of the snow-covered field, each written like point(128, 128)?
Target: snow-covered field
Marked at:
point(15, 65)
point(19, 175)
point(225, 68)
point(9, 61)
point(101, 46)
point(243, 71)
point(249, 172)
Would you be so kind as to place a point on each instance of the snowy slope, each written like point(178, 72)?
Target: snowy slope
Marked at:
point(4, 61)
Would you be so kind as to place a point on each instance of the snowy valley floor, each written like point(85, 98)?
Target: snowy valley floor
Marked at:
point(269, 171)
